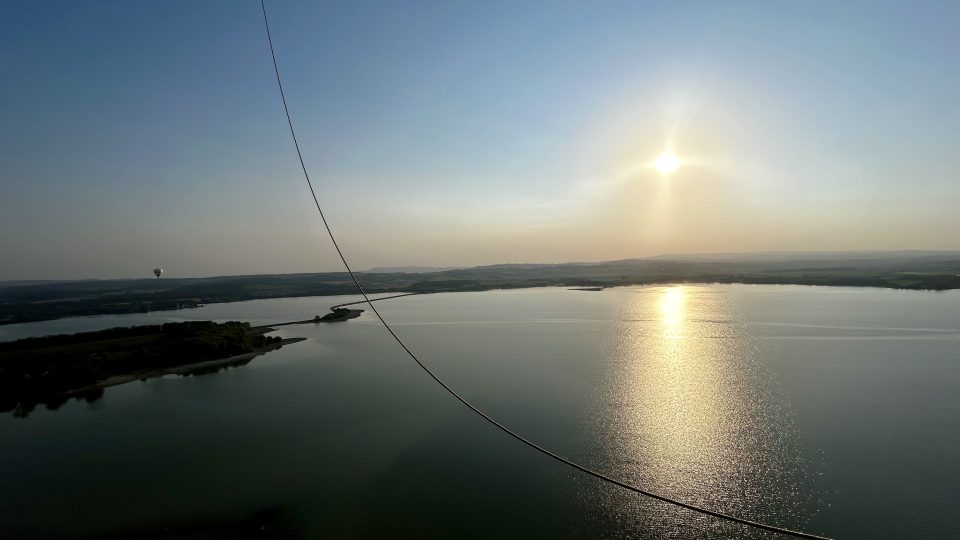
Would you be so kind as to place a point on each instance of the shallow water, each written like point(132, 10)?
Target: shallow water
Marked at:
point(833, 410)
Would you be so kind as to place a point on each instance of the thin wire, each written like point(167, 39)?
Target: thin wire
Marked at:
point(485, 416)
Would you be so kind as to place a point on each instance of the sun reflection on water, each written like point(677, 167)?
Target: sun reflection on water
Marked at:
point(672, 311)
point(691, 413)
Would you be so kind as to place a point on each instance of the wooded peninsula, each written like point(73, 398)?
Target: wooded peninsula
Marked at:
point(53, 369)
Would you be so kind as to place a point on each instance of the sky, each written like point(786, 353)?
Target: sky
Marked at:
point(143, 134)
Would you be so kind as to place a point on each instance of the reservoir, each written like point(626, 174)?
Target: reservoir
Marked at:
point(826, 409)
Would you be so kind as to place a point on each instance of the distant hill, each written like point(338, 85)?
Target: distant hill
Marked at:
point(410, 269)
point(785, 256)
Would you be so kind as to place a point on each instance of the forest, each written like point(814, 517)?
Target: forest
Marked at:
point(52, 369)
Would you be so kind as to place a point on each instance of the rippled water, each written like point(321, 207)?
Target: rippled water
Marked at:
point(828, 409)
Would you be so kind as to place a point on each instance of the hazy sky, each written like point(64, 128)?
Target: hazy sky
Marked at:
point(142, 134)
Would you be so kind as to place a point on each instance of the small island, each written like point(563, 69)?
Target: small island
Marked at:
point(52, 369)
point(338, 314)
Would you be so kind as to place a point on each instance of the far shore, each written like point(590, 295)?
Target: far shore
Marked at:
point(911, 270)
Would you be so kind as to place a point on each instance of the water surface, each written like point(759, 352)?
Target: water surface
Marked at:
point(834, 410)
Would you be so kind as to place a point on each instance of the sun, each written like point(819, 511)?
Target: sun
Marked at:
point(666, 163)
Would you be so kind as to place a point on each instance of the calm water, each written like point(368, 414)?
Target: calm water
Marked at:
point(833, 410)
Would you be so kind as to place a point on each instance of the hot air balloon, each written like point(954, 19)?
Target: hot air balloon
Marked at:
point(157, 271)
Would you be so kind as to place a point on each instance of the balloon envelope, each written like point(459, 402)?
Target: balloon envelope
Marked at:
point(157, 271)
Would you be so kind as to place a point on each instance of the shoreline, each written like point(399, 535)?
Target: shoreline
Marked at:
point(184, 369)
point(508, 287)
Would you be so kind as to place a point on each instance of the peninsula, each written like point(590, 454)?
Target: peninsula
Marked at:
point(53, 369)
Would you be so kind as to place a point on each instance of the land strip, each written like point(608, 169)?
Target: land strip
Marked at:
point(896, 270)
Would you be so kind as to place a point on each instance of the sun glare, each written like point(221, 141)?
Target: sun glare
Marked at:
point(666, 163)
point(671, 311)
